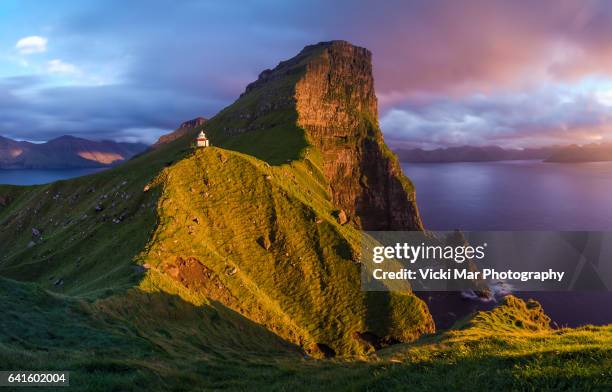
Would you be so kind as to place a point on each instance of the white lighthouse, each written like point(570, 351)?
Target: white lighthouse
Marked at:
point(201, 140)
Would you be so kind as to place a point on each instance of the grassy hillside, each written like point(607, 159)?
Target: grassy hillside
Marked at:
point(160, 342)
point(227, 267)
point(245, 233)
point(261, 239)
point(250, 224)
point(80, 236)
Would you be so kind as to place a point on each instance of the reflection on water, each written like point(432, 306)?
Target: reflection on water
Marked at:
point(35, 176)
point(517, 195)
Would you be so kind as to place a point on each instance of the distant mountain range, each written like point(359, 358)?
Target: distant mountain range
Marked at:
point(588, 153)
point(65, 152)
point(562, 154)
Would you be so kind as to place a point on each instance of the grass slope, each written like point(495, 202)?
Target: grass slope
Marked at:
point(261, 239)
point(158, 342)
point(81, 251)
point(243, 263)
point(276, 252)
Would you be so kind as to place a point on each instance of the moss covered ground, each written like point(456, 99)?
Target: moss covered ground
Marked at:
point(158, 342)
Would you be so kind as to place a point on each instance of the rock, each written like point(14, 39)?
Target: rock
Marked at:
point(336, 105)
point(59, 282)
point(320, 350)
point(36, 232)
point(341, 217)
point(181, 131)
point(368, 339)
point(139, 269)
point(265, 242)
point(196, 122)
point(31, 244)
point(99, 208)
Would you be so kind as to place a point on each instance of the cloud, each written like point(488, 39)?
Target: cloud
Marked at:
point(57, 66)
point(446, 72)
point(563, 115)
point(31, 44)
point(94, 112)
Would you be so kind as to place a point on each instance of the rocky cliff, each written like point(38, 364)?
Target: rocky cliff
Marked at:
point(264, 225)
point(183, 129)
point(337, 106)
point(328, 91)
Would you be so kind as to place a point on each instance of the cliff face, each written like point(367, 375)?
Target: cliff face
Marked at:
point(329, 89)
point(250, 225)
point(337, 106)
point(181, 131)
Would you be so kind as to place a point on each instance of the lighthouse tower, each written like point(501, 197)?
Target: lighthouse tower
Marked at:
point(201, 140)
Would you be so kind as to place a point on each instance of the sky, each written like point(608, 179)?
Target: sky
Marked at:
point(509, 73)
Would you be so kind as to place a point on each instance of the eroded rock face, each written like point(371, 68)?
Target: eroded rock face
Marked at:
point(183, 129)
point(331, 88)
point(196, 122)
point(4, 201)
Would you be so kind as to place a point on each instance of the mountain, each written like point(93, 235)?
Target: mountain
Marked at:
point(182, 130)
point(266, 223)
point(474, 154)
point(232, 266)
point(327, 93)
point(65, 152)
point(587, 153)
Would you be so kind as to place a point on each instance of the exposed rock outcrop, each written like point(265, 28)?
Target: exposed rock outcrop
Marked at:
point(182, 130)
point(330, 89)
point(194, 123)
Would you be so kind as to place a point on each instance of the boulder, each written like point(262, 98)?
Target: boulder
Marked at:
point(341, 217)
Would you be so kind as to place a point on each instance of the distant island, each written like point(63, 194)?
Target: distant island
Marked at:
point(65, 152)
point(588, 153)
point(560, 154)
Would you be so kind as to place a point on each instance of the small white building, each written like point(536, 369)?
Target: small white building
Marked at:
point(201, 140)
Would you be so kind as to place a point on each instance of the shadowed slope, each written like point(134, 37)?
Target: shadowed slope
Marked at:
point(159, 343)
point(257, 232)
point(245, 233)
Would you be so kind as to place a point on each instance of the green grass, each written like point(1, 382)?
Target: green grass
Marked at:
point(245, 269)
point(305, 287)
point(84, 248)
point(158, 342)
point(217, 206)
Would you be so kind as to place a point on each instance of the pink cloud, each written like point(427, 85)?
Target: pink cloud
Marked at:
point(465, 47)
